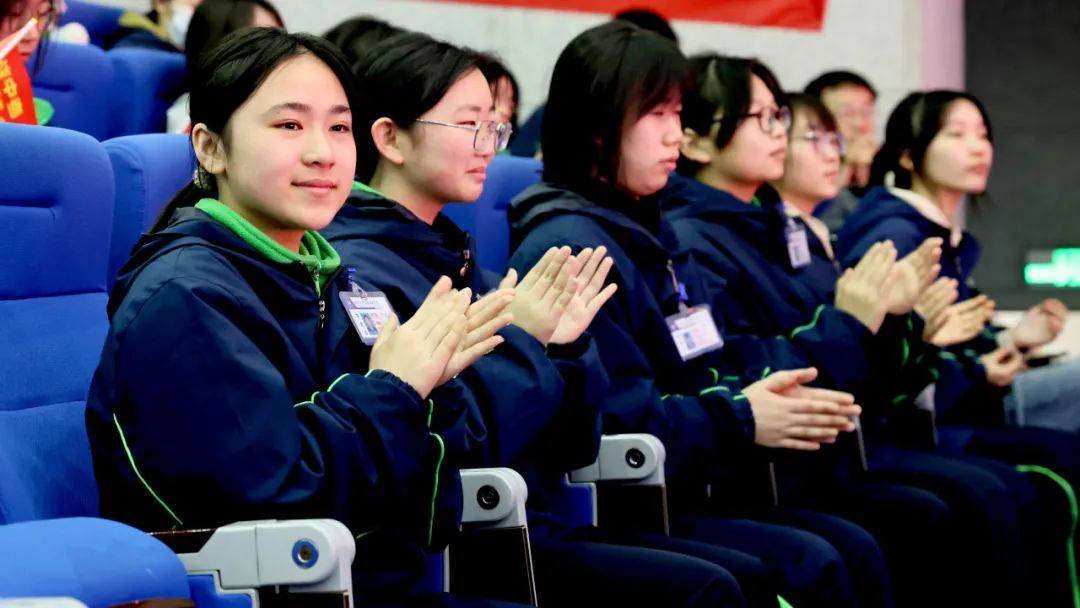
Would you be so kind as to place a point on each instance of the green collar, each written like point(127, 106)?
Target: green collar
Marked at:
point(368, 189)
point(316, 253)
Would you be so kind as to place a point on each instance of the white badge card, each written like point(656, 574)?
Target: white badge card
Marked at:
point(368, 311)
point(798, 246)
point(694, 332)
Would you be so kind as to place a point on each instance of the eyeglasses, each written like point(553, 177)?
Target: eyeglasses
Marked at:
point(769, 118)
point(825, 142)
point(487, 135)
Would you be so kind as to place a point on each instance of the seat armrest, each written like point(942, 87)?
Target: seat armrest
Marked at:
point(493, 498)
point(634, 458)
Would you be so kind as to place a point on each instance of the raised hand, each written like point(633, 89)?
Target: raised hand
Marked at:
point(788, 414)
point(593, 268)
point(1002, 365)
point(543, 295)
point(963, 321)
point(911, 276)
point(859, 290)
point(1040, 324)
point(933, 304)
point(484, 317)
point(418, 350)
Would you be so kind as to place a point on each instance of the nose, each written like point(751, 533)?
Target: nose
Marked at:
point(318, 150)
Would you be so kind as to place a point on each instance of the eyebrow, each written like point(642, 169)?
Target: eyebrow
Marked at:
point(303, 107)
point(472, 108)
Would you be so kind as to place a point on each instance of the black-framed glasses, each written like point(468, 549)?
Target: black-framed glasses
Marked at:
point(487, 134)
point(825, 141)
point(769, 118)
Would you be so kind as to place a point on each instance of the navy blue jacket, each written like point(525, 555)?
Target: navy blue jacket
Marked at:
point(963, 395)
point(695, 408)
point(538, 408)
point(232, 388)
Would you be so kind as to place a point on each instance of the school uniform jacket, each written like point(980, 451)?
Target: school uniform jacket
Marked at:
point(232, 387)
point(536, 407)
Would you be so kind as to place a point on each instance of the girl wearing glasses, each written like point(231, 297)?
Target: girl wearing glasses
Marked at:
point(426, 139)
point(611, 137)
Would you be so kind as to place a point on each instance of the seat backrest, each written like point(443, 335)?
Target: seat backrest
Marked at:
point(148, 170)
point(100, 21)
point(507, 177)
point(145, 83)
point(55, 222)
point(77, 80)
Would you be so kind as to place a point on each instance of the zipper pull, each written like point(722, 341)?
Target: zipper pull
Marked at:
point(680, 289)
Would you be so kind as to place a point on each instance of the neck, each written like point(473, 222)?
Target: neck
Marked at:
point(396, 188)
point(288, 238)
point(744, 191)
point(947, 200)
point(805, 204)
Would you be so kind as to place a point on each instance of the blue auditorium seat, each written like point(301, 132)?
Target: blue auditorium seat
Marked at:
point(55, 226)
point(485, 219)
point(145, 83)
point(100, 21)
point(148, 171)
point(77, 80)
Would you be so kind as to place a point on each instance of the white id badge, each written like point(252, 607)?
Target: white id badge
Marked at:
point(694, 332)
point(368, 311)
point(798, 247)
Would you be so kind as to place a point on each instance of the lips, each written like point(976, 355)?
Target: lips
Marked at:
point(317, 185)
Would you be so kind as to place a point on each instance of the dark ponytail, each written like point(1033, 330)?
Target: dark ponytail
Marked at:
point(228, 74)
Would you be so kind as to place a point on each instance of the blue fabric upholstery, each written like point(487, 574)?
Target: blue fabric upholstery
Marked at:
point(55, 224)
point(148, 171)
point(85, 558)
point(205, 593)
point(507, 177)
point(78, 81)
point(100, 21)
point(145, 83)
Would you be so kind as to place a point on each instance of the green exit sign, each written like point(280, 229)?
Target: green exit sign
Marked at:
point(1053, 268)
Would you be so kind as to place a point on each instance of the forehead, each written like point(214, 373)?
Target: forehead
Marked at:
point(848, 94)
point(759, 93)
point(962, 110)
point(303, 78)
point(804, 117)
point(470, 91)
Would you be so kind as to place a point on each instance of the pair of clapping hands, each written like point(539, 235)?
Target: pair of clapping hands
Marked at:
point(554, 303)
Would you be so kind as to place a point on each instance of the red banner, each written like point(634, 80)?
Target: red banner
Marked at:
point(16, 97)
point(795, 14)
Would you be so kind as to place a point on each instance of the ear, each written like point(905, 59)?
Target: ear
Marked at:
point(696, 147)
point(209, 149)
point(388, 140)
point(905, 161)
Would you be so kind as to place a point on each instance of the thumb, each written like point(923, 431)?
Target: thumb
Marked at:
point(388, 330)
point(784, 380)
point(509, 281)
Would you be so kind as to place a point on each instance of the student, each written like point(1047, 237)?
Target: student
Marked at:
point(164, 28)
point(505, 91)
point(14, 16)
point(211, 22)
point(231, 386)
point(356, 37)
point(426, 139)
point(852, 100)
point(611, 137)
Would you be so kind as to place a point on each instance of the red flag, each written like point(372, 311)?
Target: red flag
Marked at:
point(16, 96)
point(795, 14)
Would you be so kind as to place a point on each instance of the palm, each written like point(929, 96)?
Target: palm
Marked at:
point(905, 288)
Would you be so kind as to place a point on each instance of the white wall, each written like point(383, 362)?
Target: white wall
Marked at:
point(882, 39)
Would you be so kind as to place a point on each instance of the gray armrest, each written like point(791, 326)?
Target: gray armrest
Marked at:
point(634, 458)
point(303, 555)
point(494, 498)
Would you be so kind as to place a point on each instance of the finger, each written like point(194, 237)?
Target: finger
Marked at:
point(388, 329)
point(597, 278)
point(598, 256)
point(811, 433)
point(485, 331)
point(509, 281)
point(473, 353)
point(824, 394)
point(448, 341)
point(434, 308)
point(562, 288)
point(538, 269)
point(595, 304)
point(491, 308)
point(796, 444)
point(783, 380)
point(822, 420)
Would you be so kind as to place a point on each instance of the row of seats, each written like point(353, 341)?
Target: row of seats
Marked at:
point(107, 94)
point(66, 226)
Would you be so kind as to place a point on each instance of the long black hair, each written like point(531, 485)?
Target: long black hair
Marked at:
point(402, 78)
point(215, 19)
point(607, 78)
point(915, 123)
point(356, 37)
point(722, 91)
point(229, 74)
